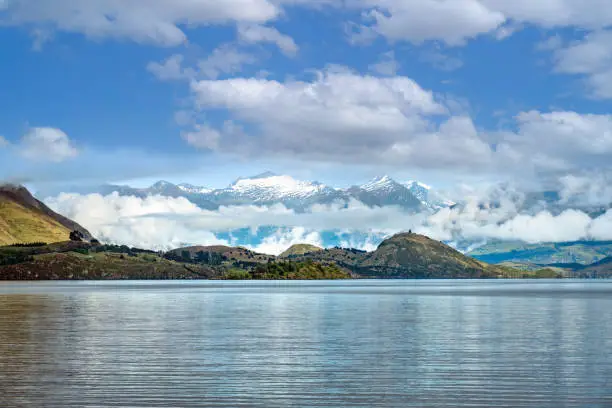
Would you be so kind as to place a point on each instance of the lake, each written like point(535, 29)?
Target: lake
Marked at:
point(424, 343)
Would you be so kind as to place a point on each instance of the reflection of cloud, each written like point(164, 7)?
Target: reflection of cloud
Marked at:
point(164, 222)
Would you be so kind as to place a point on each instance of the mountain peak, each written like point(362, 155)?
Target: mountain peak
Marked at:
point(265, 174)
point(381, 182)
point(162, 184)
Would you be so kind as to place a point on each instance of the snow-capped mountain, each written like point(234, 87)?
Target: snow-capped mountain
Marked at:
point(384, 191)
point(269, 189)
point(429, 197)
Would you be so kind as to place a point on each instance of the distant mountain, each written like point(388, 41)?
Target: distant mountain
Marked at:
point(576, 252)
point(384, 191)
point(428, 197)
point(269, 189)
point(24, 219)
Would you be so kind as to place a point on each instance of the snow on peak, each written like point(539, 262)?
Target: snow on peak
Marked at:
point(414, 183)
point(268, 186)
point(380, 183)
point(191, 189)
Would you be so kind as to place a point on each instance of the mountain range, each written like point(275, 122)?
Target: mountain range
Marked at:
point(269, 189)
point(41, 244)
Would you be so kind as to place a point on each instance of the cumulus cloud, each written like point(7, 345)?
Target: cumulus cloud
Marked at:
point(453, 22)
point(387, 65)
point(343, 116)
point(225, 59)
point(456, 22)
point(256, 33)
point(165, 222)
point(171, 69)
point(593, 189)
point(158, 22)
point(3, 142)
point(47, 144)
point(590, 58)
point(561, 140)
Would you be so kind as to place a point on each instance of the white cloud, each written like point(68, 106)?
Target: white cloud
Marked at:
point(387, 65)
point(593, 189)
point(284, 238)
point(560, 140)
point(441, 61)
point(256, 33)
point(453, 22)
point(47, 144)
point(591, 58)
point(343, 116)
point(158, 22)
point(171, 69)
point(164, 222)
point(338, 115)
point(225, 59)
point(456, 22)
point(3, 142)
point(203, 137)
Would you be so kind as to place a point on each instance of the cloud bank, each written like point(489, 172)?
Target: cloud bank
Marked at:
point(164, 222)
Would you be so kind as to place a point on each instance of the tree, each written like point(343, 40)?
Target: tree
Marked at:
point(202, 257)
point(186, 255)
point(76, 236)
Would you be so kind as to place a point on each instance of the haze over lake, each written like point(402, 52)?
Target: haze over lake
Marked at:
point(269, 344)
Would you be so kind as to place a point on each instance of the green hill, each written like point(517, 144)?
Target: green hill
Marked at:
point(409, 255)
point(24, 219)
point(300, 249)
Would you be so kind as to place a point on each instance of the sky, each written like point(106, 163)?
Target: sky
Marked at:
point(338, 91)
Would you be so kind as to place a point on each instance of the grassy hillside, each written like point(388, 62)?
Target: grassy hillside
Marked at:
point(300, 249)
point(413, 255)
point(24, 219)
point(20, 224)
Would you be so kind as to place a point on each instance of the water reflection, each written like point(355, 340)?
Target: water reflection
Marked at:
point(323, 344)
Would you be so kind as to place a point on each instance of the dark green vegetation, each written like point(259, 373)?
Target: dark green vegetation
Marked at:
point(401, 256)
point(79, 260)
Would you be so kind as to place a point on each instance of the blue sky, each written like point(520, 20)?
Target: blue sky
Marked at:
point(492, 89)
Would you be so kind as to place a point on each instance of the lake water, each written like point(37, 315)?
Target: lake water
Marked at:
point(306, 344)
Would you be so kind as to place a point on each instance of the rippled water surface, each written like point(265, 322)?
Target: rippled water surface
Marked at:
point(306, 344)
